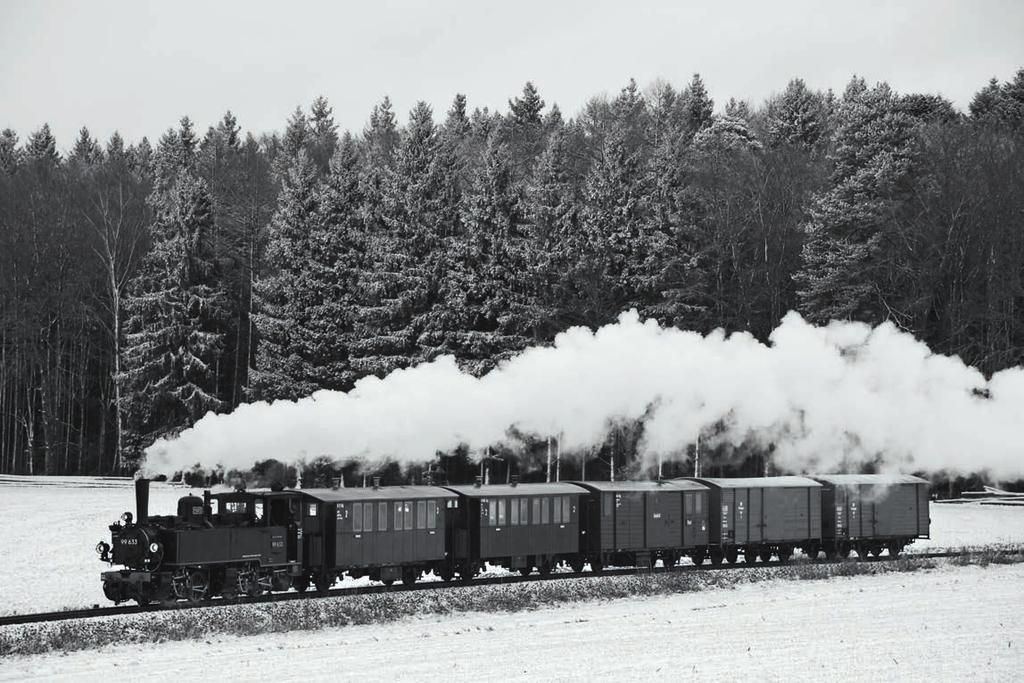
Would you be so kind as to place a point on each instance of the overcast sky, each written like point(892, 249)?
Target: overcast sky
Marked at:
point(138, 66)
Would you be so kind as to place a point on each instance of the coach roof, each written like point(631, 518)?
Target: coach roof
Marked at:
point(381, 493)
point(553, 489)
point(663, 485)
point(868, 479)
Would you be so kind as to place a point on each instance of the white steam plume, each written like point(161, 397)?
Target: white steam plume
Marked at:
point(827, 397)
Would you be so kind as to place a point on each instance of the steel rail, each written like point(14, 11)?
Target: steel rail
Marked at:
point(98, 612)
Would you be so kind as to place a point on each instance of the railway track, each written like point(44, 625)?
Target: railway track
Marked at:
point(99, 612)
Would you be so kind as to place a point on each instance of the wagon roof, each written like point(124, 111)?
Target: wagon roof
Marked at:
point(663, 485)
point(490, 490)
point(869, 479)
point(381, 493)
point(758, 482)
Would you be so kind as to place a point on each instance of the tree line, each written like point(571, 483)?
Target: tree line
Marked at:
point(143, 285)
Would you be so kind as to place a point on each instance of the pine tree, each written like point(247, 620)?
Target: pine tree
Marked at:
point(849, 266)
point(696, 106)
point(176, 312)
point(42, 147)
point(526, 109)
point(86, 151)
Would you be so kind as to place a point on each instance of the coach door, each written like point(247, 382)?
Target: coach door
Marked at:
point(312, 533)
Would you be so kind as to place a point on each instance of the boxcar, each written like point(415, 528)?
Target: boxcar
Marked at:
point(634, 523)
point(517, 526)
point(382, 532)
point(870, 513)
point(763, 516)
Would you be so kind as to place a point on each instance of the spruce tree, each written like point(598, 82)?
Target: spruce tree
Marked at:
point(797, 117)
point(850, 264)
point(174, 338)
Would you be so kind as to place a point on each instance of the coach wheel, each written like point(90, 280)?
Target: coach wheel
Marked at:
point(698, 557)
point(716, 557)
point(577, 564)
point(545, 568)
point(844, 551)
point(324, 583)
point(732, 555)
point(525, 571)
point(409, 576)
point(863, 551)
point(895, 548)
point(811, 551)
point(301, 583)
point(765, 553)
point(597, 565)
point(669, 559)
point(446, 574)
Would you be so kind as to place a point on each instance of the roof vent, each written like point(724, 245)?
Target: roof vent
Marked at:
point(376, 483)
point(479, 481)
point(515, 480)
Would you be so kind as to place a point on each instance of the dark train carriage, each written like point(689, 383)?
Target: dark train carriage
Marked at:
point(385, 533)
point(518, 526)
point(762, 516)
point(638, 522)
point(873, 512)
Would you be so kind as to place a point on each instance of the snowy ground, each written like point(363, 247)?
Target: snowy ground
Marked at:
point(953, 623)
point(50, 527)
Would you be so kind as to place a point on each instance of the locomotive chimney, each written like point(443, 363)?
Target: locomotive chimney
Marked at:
point(141, 500)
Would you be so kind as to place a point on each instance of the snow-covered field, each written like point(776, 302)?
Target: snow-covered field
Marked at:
point(953, 623)
point(50, 526)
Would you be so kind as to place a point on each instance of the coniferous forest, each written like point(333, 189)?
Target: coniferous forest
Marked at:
point(144, 283)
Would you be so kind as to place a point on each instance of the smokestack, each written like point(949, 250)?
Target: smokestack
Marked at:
point(141, 500)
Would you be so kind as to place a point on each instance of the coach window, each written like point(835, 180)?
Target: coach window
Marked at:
point(368, 517)
point(398, 516)
point(311, 511)
point(431, 514)
point(698, 504)
point(566, 509)
point(524, 510)
point(408, 514)
point(557, 518)
point(382, 517)
point(536, 510)
point(357, 516)
point(545, 510)
point(606, 504)
point(688, 500)
point(502, 509)
point(515, 512)
point(421, 514)
point(492, 512)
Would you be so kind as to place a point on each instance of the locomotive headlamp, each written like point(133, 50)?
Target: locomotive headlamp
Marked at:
point(102, 548)
point(153, 547)
point(126, 518)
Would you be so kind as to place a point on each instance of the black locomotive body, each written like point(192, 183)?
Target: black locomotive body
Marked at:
point(249, 543)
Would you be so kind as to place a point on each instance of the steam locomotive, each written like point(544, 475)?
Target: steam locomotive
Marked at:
point(246, 543)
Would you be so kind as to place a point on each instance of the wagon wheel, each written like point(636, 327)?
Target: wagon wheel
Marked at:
point(387, 582)
point(446, 573)
point(301, 583)
point(698, 557)
point(844, 551)
point(324, 583)
point(597, 565)
point(669, 559)
point(731, 555)
point(785, 553)
point(895, 548)
point(525, 571)
point(749, 555)
point(765, 554)
point(467, 570)
point(863, 551)
point(811, 551)
point(545, 568)
point(577, 564)
point(716, 557)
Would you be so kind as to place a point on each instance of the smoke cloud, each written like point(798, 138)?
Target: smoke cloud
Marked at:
point(828, 398)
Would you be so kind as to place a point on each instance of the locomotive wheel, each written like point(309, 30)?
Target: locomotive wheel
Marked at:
point(698, 557)
point(197, 586)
